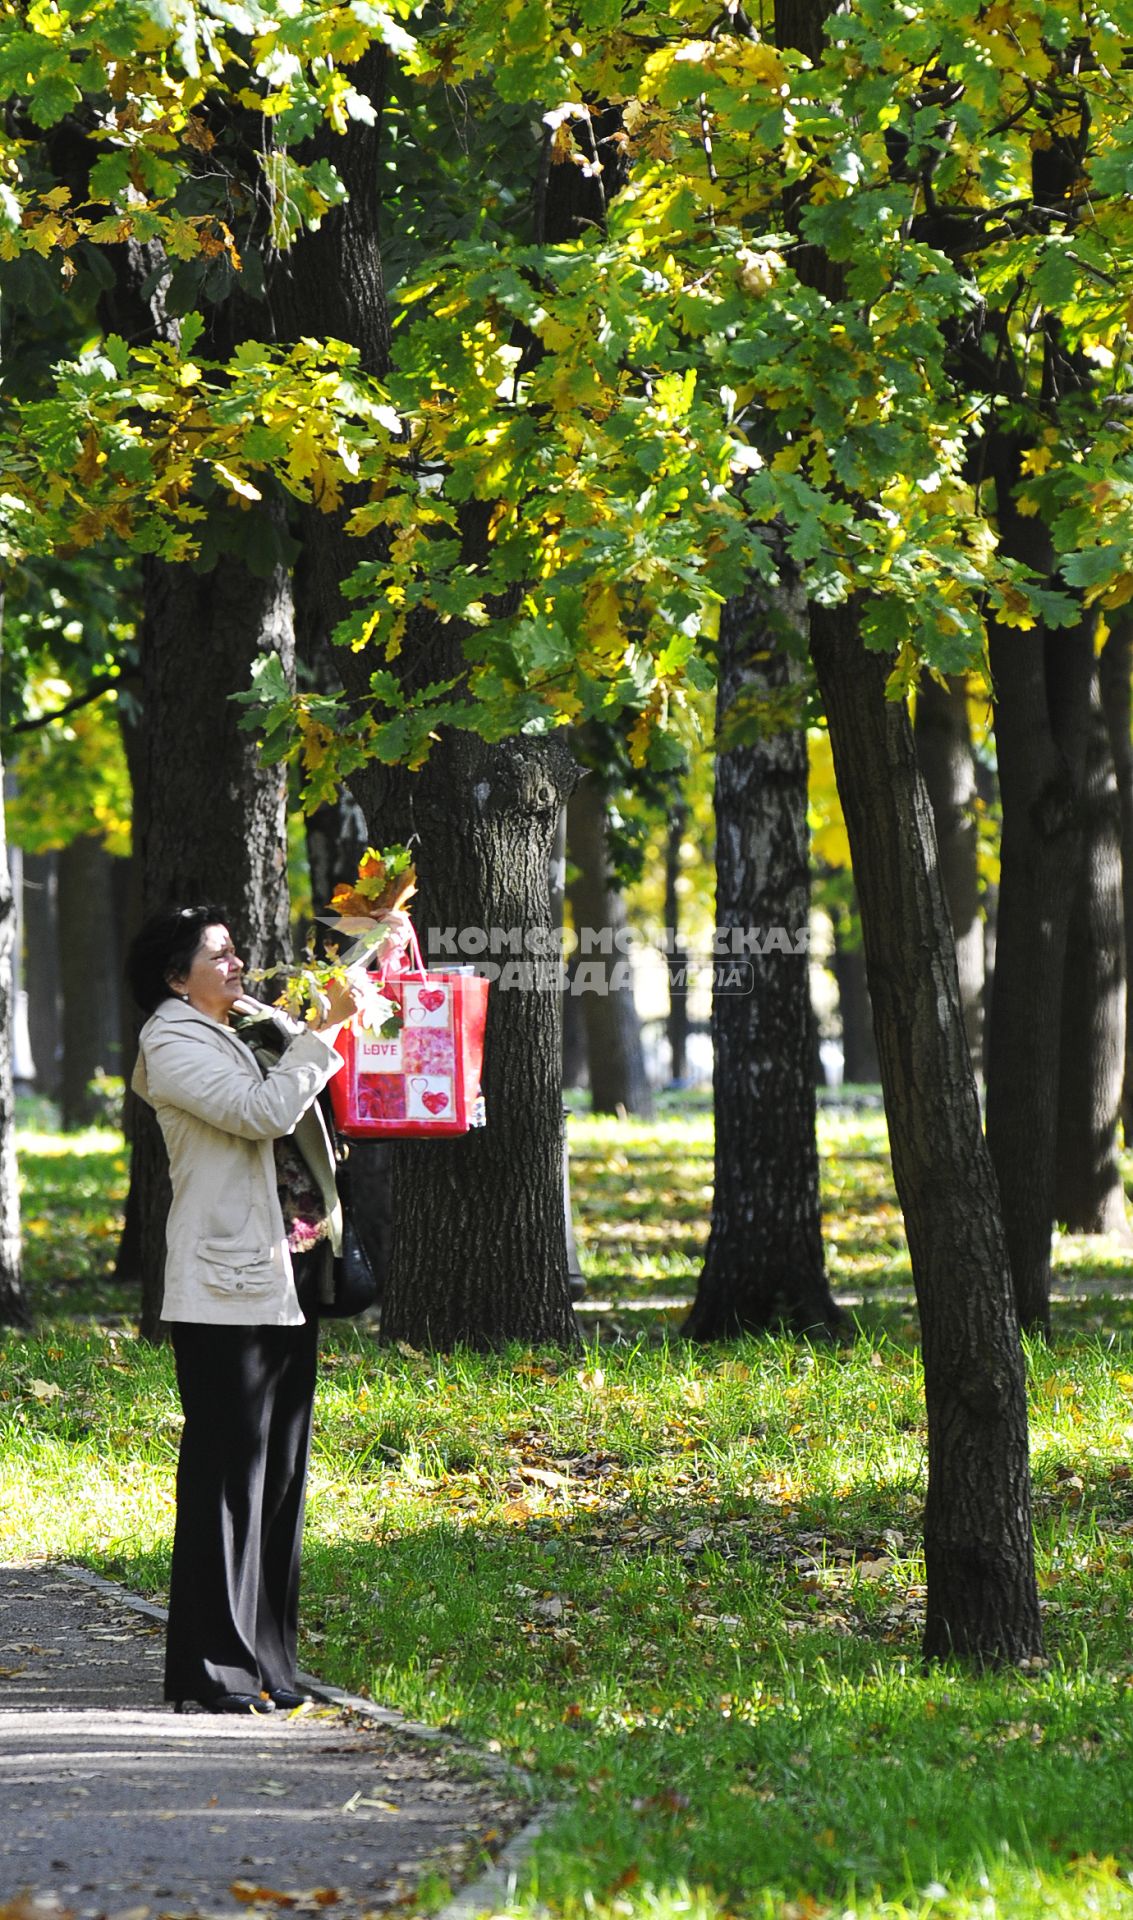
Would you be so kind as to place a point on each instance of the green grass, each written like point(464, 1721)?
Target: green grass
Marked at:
point(682, 1587)
point(73, 1189)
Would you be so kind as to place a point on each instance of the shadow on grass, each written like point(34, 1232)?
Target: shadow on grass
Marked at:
point(705, 1733)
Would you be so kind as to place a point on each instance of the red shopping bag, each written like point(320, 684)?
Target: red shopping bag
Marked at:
point(426, 1080)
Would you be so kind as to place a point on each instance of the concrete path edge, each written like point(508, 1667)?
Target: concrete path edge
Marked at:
point(495, 1888)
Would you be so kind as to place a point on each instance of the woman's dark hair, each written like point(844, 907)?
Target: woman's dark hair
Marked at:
point(166, 945)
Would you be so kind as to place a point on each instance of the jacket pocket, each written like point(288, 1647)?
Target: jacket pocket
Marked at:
point(235, 1266)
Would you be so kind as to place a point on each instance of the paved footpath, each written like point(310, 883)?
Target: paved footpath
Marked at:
point(113, 1805)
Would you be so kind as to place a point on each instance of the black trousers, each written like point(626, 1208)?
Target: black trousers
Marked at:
point(247, 1395)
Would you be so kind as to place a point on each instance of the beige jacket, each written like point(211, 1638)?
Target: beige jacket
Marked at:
point(227, 1261)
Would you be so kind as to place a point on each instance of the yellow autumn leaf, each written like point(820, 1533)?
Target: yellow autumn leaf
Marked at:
point(554, 335)
point(303, 454)
point(1015, 610)
point(643, 728)
point(830, 843)
point(604, 632)
point(1036, 460)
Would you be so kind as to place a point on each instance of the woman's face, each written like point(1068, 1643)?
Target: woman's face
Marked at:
point(215, 978)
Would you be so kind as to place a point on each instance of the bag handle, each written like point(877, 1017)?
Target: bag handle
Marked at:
point(414, 950)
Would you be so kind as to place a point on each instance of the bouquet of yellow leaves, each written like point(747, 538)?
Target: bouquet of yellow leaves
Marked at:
point(386, 881)
point(385, 884)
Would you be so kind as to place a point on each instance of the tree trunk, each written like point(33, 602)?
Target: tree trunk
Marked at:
point(556, 889)
point(41, 972)
point(1042, 723)
point(944, 746)
point(23, 1065)
point(982, 1597)
point(764, 1264)
point(13, 1304)
point(1088, 1195)
point(575, 1069)
point(90, 967)
point(676, 1026)
point(987, 786)
point(604, 979)
point(212, 823)
point(479, 1238)
point(860, 1065)
point(1117, 700)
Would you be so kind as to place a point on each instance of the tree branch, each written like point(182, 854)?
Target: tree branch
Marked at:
point(94, 692)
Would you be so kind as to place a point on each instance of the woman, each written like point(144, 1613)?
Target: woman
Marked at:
point(252, 1226)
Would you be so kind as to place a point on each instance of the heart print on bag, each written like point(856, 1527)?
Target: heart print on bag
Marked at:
point(426, 1006)
point(429, 1094)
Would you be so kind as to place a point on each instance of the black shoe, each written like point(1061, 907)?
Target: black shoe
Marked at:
point(231, 1703)
point(286, 1698)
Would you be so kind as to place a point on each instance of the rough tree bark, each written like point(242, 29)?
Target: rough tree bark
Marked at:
point(41, 948)
point(860, 1065)
point(13, 1303)
point(212, 823)
point(480, 1255)
point(982, 1600)
point(944, 746)
point(764, 1264)
point(90, 968)
point(982, 1596)
point(615, 1057)
point(1089, 1196)
point(556, 893)
point(479, 1243)
point(676, 1025)
point(1117, 700)
point(1042, 686)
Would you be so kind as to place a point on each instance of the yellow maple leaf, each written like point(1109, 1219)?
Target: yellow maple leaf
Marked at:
point(1036, 460)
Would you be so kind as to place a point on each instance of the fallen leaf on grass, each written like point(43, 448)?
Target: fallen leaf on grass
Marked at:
point(874, 1569)
point(45, 1389)
point(543, 1476)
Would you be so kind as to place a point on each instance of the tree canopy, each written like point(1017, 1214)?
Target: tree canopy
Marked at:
point(632, 420)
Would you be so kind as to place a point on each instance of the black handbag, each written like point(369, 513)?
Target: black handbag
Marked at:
point(354, 1284)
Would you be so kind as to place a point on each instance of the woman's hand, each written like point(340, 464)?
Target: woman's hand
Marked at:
point(396, 929)
point(344, 998)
